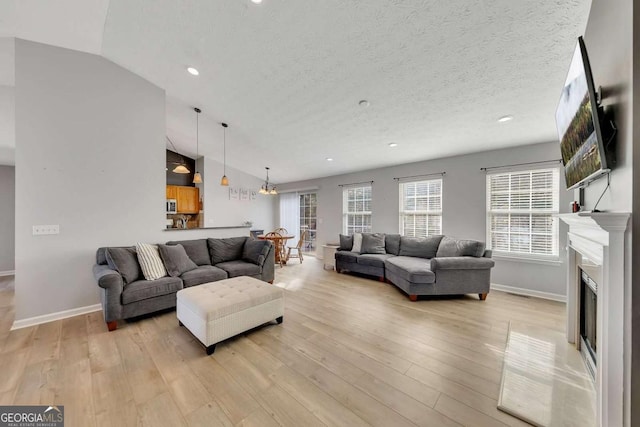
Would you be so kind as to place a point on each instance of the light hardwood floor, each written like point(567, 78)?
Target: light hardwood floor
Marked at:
point(351, 351)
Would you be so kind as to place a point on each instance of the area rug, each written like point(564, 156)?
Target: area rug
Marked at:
point(544, 379)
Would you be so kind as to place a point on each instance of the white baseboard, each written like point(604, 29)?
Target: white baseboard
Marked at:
point(46, 318)
point(7, 273)
point(529, 292)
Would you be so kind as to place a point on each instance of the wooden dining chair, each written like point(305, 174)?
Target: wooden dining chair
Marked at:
point(283, 231)
point(276, 238)
point(298, 248)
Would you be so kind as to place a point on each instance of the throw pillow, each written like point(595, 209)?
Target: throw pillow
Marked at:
point(223, 250)
point(357, 243)
point(421, 247)
point(373, 243)
point(150, 261)
point(176, 260)
point(255, 251)
point(392, 244)
point(346, 243)
point(125, 262)
point(196, 249)
point(454, 247)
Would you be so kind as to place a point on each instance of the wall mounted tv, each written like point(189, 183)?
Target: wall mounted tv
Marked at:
point(578, 119)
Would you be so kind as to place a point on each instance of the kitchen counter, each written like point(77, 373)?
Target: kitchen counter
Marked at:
point(208, 228)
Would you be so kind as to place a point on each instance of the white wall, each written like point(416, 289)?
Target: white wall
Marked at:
point(90, 156)
point(464, 206)
point(7, 218)
point(219, 210)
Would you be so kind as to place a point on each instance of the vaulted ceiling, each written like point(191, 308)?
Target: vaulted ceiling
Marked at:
point(287, 75)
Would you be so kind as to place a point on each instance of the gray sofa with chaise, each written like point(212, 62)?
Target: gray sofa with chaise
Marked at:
point(437, 265)
point(125, 293)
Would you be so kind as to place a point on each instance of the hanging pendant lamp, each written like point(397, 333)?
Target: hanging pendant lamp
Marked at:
point(266, 188)
point(224, 181)
point(197, 178)
point(181, 168)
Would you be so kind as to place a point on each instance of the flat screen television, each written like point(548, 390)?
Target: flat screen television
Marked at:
point(578, 122)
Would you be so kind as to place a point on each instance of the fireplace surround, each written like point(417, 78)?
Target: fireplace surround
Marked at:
point(596, 246)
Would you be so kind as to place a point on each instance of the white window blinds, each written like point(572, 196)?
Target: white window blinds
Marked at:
point(522, 212)
point(356, 209)
point(421, 208)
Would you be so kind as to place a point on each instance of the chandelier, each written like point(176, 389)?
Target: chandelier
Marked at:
point(267, 188)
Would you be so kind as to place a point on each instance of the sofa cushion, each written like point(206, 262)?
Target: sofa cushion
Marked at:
point(450, 246)
point(150, 262)
point(411, 269)
point(346, 256)
point(256, 251)
point(392, 244)
point(223, 250)
point(176, 260)
point(203, 274)
point(125, 262)
point(196, 249)
point(373, 260)
point(421, 247)
point(240, 268)
point(346, 243)
point(357, 243)
point(373, 243)
point(145, 289)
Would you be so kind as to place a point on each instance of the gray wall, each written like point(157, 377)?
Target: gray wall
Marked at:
point(219, 210)
point(90, 156)
point(7, 218)
point(608, 38)
point(464, 206)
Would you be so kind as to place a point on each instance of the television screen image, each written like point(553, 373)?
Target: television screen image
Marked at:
point(578, 126)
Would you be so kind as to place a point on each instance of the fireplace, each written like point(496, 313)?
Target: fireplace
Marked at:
point(596, 286)
point(588, 317)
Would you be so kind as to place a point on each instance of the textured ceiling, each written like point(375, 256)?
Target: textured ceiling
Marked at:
point(287, 75)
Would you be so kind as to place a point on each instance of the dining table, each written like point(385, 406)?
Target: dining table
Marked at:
point(279, 242)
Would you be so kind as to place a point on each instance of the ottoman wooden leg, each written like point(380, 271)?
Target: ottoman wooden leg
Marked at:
point(112, 326)
point(211, 349)
point(413, 297)
point(280, 319)
point(483, 296)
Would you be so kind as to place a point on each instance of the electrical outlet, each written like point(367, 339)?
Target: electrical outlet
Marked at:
point(40, 230)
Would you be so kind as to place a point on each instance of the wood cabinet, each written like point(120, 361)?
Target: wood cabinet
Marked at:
point(188, 198)
point(172, 191)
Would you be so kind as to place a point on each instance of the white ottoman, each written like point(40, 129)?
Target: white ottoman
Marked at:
point(218, 310)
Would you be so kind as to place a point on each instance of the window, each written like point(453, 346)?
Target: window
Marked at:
point(421, 208)
point(308, 216)
point(356, 209)
point(522, 213)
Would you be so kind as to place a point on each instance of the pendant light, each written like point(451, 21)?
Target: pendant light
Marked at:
point(224, 181)
point(266, 188)
point(197, 178)
point(181, 168)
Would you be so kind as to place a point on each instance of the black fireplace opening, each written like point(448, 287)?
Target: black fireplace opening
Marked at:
point(588, 313)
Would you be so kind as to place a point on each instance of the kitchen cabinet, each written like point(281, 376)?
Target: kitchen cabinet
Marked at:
point(188, 198)
point(172, 191)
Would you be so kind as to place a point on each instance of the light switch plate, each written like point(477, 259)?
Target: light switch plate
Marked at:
point(40, 230)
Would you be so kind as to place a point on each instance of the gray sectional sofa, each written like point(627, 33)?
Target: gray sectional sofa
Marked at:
point(437, 265)
point(125, 293)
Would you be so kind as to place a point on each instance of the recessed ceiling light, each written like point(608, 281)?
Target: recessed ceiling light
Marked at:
point(393, 144)
point(256, 1)
point(329, 159)
point(193, 71)
point(504, 119)
point(364, 103)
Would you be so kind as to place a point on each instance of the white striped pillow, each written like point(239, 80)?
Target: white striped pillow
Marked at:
point(150, 261)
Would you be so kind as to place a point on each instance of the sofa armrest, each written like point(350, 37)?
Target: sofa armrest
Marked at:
point(107, 278)
point(461, 263)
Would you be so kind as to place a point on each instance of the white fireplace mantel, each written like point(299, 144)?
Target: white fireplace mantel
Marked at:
point(600, 237)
